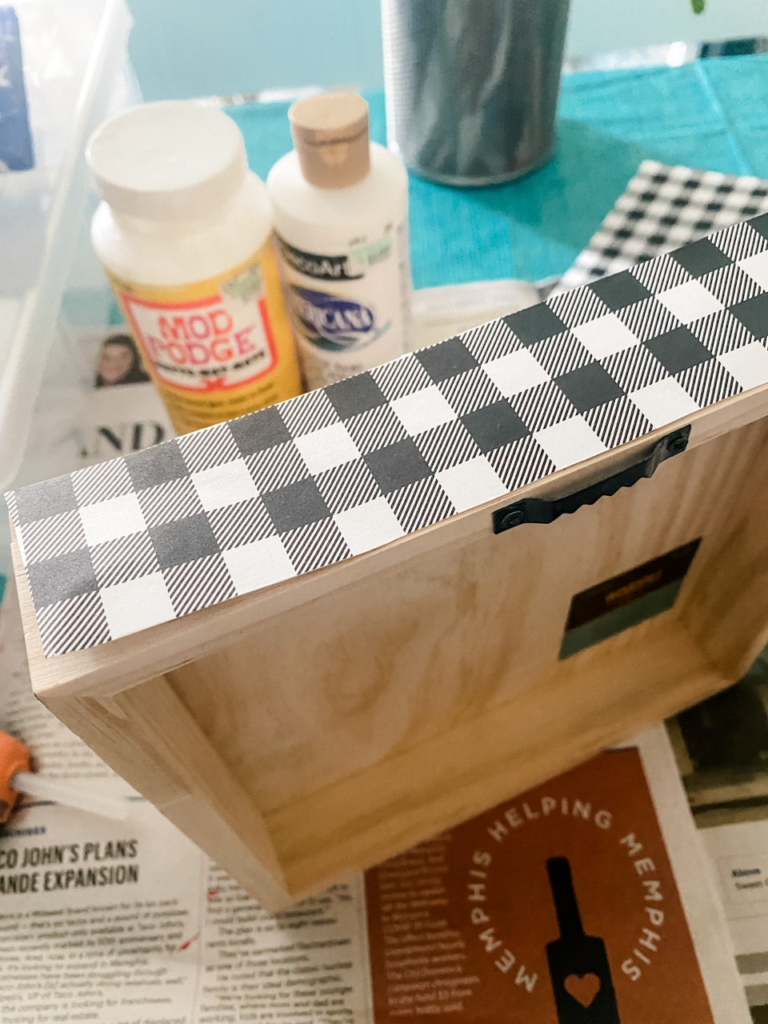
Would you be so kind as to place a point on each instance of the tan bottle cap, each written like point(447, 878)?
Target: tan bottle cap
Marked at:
point(330, 133)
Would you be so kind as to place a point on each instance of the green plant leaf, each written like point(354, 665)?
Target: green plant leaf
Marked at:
point(698, 6)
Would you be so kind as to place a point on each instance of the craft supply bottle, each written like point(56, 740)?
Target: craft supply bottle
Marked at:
point(340, 205)
point(184, 233)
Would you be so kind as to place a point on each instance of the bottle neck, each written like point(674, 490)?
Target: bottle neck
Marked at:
point(564, 897)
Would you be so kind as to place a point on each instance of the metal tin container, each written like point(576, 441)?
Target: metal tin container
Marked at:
point(472, 85)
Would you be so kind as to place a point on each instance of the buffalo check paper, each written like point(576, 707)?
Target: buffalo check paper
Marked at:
point(119, 547)
point(662, 208)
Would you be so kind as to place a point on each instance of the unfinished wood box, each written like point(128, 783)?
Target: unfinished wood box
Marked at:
point(321, 633)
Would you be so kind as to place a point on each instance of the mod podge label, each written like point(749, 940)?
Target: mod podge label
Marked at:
point(218, 348)
point(558, 907)
point(349, 309)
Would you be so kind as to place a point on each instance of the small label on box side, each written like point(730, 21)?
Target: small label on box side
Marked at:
point(626, 600)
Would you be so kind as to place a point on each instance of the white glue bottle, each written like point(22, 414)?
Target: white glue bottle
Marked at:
point(185, 235)
point(340, 208)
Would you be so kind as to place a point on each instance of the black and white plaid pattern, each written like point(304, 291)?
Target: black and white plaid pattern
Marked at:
point(131, 543)
point(663, 208)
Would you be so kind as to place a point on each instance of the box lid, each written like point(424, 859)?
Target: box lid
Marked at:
point(138, 541)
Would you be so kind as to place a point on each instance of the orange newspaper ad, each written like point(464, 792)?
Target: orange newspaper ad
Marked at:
point(559, 907)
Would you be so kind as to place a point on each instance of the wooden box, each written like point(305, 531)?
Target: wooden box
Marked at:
point(321, 633)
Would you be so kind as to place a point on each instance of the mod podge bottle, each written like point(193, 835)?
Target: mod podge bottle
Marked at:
point(184, 234)
point(340, 207)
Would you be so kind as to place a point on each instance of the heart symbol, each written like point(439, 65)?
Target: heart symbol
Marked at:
point(583, 988)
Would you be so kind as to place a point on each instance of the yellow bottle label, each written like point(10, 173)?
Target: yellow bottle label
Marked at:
point(217, 348)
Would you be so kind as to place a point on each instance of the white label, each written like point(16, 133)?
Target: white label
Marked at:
point(745, 877)
point(349, 310)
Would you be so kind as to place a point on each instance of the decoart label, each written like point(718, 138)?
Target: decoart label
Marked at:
point(322, 268)
point(345, 307)
point(331, 321)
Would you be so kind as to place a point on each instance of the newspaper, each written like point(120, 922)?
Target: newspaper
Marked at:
point(721, 747)
point(130, 923)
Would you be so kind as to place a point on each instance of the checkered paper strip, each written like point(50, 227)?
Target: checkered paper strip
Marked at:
point(141, 540)
point(662, 208)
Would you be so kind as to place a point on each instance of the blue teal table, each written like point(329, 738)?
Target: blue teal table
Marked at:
point(709, 114)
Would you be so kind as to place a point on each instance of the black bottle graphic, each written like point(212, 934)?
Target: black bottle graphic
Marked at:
point(578, 963)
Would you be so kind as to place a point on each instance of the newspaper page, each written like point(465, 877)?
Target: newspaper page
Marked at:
point(721, 747)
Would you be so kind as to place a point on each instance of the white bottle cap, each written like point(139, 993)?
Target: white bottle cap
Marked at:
point(170, 160)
